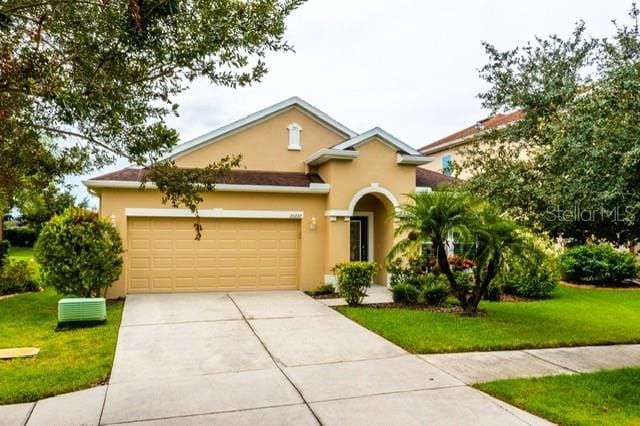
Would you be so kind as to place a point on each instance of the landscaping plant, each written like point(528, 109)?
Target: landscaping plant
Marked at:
point(431, 217)
point(598, 264)
point(78, 253)
point(533, 276)
point(4, 251)
point(354, 278)
point(405, 293)
point(435, 290)
point(16, 277)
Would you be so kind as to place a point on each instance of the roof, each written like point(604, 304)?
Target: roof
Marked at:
point(380, 133)
point(424, 178)
point(431, 179)
point(482, 125)
point(251, 119)
point(236, 177)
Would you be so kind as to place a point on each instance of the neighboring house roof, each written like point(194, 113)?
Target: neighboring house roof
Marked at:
point(431, 179)
point(459, 137)
point(258, 116)
point(236, 177)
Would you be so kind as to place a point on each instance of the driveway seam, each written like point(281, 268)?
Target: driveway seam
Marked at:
point(182, 377)
point(179, 322)
point(462, 385)
point(33, 407)
point(442, 369)
point(277, 364)
point(208, 413)
point(551, 362)
point(104, 401)
point(344, 361)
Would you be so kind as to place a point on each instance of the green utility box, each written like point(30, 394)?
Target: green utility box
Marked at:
point(82, 309)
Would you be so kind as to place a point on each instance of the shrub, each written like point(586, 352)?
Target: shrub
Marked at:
point(79, 253)
point(598, 264)
point(460, 263)
point(21, 236)
point(402, 271)
point(324, 289)
point(16, 277)
point(406, 294)
point(435, 290)
point(534, 275)
point(4, 251)
point(354, 278)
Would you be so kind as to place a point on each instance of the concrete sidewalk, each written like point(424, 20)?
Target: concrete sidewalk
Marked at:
point(478, 367)
point(284, 358)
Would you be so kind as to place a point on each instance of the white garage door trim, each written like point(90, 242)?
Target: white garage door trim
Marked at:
point(216, 213)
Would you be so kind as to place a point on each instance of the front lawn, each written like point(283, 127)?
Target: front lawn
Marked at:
point(573, 317)
point(605, 397)
point(68, 360)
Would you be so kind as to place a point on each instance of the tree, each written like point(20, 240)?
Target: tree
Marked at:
point(85, 82)
point(431, 217)
point(36, 209)
point(570, 166)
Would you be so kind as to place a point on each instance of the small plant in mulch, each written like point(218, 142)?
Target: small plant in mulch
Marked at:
point(325, 291)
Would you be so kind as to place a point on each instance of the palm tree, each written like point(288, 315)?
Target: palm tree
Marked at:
point(431, 217)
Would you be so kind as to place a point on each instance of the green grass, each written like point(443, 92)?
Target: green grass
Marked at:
point(601, 398)
point(68, 360)
point(573, 317)
point(26, 254)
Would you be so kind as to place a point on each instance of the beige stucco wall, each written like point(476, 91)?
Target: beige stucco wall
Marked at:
point(264, 146)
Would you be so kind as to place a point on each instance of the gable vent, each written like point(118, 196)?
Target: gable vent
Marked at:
point(294, 137)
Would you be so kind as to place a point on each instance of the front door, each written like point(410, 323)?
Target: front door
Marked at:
point(359, 241)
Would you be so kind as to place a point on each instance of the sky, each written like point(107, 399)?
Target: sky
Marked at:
point(408, 66)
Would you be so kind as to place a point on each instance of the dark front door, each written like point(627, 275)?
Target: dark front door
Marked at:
point(359, 241)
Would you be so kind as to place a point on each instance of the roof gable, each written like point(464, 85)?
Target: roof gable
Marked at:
point(380, 134)
point(257, 117)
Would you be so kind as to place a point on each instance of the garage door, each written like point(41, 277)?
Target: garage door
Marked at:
point(233, 254)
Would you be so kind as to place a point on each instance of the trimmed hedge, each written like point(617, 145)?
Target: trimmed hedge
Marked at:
point(21, 236)
point(598, 264)
point(16, 277)
point(4, 251)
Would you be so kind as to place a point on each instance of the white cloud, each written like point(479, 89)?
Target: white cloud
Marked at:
point(408, 66)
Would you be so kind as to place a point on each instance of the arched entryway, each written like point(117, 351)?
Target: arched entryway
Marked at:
point(371, 230)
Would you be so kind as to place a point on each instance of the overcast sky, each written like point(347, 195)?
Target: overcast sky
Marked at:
point(408, 66)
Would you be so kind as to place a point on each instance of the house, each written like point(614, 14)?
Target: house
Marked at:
point(311, 193)
point(450, 148)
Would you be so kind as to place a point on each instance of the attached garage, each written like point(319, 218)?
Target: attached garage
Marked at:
point(234, 254)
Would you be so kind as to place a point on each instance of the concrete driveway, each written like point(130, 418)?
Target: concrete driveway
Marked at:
point(275, 358)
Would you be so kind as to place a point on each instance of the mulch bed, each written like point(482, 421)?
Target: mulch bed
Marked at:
point(323, 295)
point(441, 309)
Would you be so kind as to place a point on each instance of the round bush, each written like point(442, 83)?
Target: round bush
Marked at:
point(435, 290)
point(405, 294)
point(598, 264)
point(354, 278)
point(79, 254)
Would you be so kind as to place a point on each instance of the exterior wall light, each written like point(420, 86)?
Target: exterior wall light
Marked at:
point(313, 224)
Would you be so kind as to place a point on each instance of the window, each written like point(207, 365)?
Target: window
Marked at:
point(294, 137)
point(447, 165)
